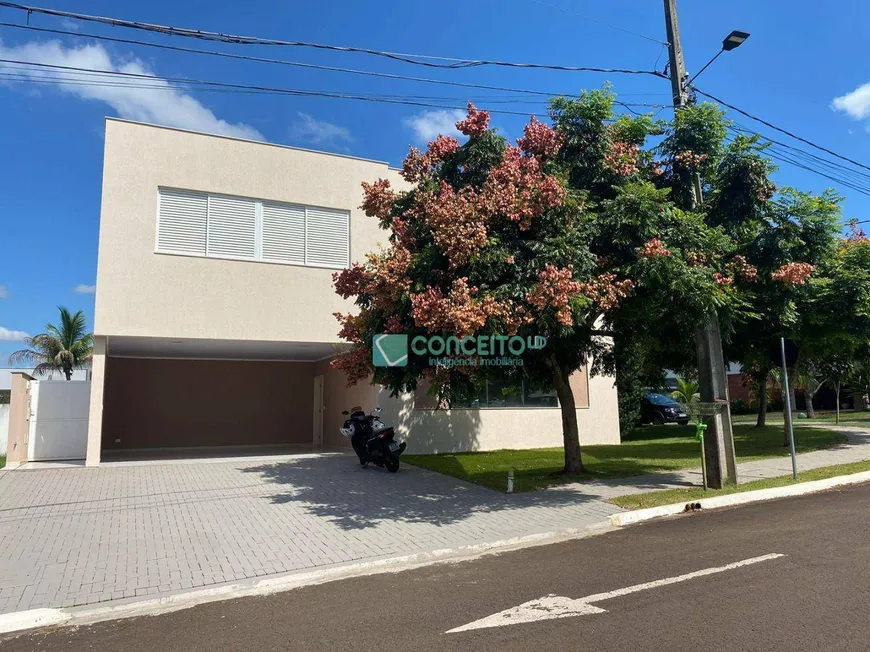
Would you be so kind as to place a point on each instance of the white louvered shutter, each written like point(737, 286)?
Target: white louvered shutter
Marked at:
point(327, 237)
point(181, 221)
point(232, 227)
point(283, 233)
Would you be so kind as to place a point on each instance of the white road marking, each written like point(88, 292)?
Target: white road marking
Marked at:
point(554, 606)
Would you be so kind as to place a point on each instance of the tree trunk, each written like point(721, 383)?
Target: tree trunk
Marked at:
point(570, 430)
point(811, 411)
point(762, 401)
point(67, 371)
point(838, 402)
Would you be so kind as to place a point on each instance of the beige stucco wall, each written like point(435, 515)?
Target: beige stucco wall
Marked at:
point(19, 420)
point(140, 292)
point(437, 431)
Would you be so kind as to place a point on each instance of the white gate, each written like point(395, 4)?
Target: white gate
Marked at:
point(58, 419)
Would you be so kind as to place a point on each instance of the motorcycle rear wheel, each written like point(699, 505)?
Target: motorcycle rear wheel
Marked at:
point(392, 463)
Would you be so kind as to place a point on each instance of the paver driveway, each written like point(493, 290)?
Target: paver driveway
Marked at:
point(82, 535)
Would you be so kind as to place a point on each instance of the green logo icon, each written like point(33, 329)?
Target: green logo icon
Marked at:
point(390, 350)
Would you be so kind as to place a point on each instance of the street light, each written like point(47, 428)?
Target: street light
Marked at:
point(733, 40)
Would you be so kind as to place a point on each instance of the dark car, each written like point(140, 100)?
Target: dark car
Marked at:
point(658, 409)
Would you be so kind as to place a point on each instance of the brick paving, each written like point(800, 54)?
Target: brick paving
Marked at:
point(73, 536)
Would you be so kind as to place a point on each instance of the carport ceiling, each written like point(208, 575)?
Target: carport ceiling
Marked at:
point(164, 347)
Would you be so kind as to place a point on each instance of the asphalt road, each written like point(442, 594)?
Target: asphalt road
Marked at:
point(815, 598)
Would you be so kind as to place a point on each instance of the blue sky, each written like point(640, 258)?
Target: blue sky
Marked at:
point(798, 60)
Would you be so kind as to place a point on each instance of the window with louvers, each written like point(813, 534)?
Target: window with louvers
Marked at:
point(223, 226)
point(326, 237)
point(284, 233)
point(232, 227)
point(182, 221)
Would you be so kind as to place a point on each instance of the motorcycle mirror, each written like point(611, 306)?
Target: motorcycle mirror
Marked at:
point(345, 412)
point(378, 409)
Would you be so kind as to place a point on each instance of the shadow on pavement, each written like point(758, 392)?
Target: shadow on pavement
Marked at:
point(354, 498)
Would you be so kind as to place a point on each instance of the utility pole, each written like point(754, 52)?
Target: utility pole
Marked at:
point(712, 373)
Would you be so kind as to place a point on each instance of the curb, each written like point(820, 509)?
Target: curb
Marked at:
point(90, 614)
point(800, 489)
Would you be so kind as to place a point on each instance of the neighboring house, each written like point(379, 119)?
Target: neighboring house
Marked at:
point(6, 376)
point(214, 306)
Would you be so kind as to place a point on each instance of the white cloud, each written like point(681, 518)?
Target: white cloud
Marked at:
point(855, 104)
point(156, 104)
point(308, 129)
point(69, 25)
point(428, 124)
point(7, 335)
point(81, 288)
point(3, 291)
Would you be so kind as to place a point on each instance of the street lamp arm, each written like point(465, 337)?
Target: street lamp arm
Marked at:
point(706, 65)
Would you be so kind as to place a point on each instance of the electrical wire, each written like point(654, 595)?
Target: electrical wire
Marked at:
point(416, 59)
point(241, 57)
point(776, 153)
point(97, 77)
point(808, 157)
point(780, 129)
point(599, 22)
point(249, 87)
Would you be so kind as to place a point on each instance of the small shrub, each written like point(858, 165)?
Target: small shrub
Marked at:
point(739, 406)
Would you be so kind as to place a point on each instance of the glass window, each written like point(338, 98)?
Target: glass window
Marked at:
point(539, 398)
point(660, 399)
point(501, 395)
point(504, 395)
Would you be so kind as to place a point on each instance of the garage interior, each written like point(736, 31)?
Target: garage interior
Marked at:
point(197, 398)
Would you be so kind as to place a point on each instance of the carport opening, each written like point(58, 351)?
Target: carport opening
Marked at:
point(180, 408)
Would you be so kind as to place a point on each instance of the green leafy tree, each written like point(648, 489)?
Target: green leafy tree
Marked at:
point(778, 238)
point(563, 235)
point(63, 347)
point(836, 322)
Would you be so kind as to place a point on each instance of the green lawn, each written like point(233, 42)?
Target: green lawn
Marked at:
point(846, 417)
point(670, 496)
point(651, 449)
point(2, 461)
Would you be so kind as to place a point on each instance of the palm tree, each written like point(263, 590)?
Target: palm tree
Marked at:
point(59, 348)
point(687, 394)
point(810, 383)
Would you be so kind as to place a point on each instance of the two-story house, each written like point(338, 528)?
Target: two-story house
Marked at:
point(214, 307)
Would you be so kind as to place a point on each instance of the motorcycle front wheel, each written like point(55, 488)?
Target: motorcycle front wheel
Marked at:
point(392, 463)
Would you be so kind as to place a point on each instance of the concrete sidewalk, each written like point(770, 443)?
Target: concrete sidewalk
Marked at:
point(857, 449)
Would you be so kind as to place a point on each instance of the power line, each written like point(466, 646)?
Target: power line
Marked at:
point(103, 78)
point(416, 59)
point(776, 153)
point(808, 157)
point(599, 22)
point(299, 64)
point(781, 130)
point(251, 87)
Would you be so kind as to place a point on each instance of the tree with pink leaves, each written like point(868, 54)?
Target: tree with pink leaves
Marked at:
point(558, 236)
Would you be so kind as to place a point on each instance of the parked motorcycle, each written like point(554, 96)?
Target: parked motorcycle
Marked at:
point(372, 440)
